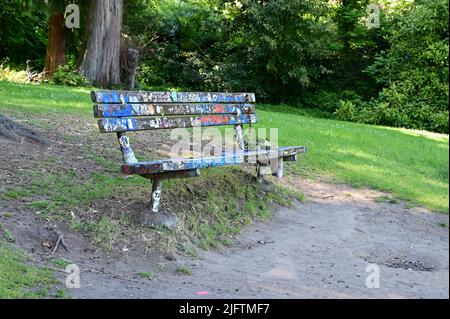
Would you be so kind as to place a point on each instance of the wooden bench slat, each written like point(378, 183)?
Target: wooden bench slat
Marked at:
point(129, 110)
point(124, 97)
point(240, 157)
point(123, 124)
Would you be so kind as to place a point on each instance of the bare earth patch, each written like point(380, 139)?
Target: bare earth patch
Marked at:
point(319, 249)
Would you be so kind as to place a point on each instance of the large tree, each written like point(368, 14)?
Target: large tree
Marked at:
point(57, 35)
point(101, 58)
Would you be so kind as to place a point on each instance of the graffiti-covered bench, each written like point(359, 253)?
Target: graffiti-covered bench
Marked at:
point(127, 111)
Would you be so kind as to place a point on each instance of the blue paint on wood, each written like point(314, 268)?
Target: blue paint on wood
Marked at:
point(124, 124)
point(124, 110)
point(170, 97)
point(235, 158)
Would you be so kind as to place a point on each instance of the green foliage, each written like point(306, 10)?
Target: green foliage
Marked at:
point(329, 101)
point(176, 42)
point(346, 110)
point(6, 74)
point(286, 44)
point(274, 48)
point(414, 70)
point(312, 52)
point(67, 75)
point(316, 53)
point(23, 32)
point(358, 47)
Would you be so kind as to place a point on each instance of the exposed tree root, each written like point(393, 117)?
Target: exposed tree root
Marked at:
point(17, 132)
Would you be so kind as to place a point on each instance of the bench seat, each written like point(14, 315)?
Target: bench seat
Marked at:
point(186, 164)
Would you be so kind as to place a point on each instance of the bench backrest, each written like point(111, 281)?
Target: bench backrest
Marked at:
point(122, 111)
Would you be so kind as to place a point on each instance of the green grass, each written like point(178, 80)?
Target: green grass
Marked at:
point(413, 165)
point(214, 207)
point(9, 236)
point(7, 214)
point(60, 263)
point(43, 98)
point(443, 225)
point(146, 275)
point(386, 199)
point(18, 279)
point(183, 270)
point(103, 231)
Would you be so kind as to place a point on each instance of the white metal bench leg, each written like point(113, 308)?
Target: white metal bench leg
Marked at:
point(156, 195)
point(279, 173)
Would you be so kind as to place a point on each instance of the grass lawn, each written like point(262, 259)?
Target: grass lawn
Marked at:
point(413, 165)
point(20, 280)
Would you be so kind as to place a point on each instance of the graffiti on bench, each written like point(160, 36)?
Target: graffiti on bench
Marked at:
point(138, 124)
point(125, 97)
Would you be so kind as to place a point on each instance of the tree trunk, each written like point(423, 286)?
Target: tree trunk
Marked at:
point(129, 57)
point(101, 59)
point(57, 35)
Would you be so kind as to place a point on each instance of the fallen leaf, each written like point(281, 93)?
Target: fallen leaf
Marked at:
point(47, 244)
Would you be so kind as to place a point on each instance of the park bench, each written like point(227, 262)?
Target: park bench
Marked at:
point(127, 111)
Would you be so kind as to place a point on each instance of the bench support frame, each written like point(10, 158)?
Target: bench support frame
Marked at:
point(125, 147)
point(156, 195)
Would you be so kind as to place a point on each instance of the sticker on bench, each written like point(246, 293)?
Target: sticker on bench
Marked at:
point(108, 125)
point(119, 110)
point(170, 97)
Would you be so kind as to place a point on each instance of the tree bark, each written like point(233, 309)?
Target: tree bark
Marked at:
point(101, 58)
point(57, 35)
point(129, 57)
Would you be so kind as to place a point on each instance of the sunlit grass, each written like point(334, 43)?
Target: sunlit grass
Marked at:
point(44, 98)
point(18, 279)
point(409, 163)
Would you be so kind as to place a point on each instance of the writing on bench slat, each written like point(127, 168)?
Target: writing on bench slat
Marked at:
point(124, 124)
point(119, 110)
point(127, 97)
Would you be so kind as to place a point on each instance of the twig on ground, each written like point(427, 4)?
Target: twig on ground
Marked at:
point(61, 242)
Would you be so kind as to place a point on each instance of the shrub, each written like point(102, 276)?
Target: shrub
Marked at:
point(346, 110)
point(414, 71)
point(6, 74)
point(67, 75)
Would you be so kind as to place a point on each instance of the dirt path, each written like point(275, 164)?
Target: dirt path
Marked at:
point(316, 250)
